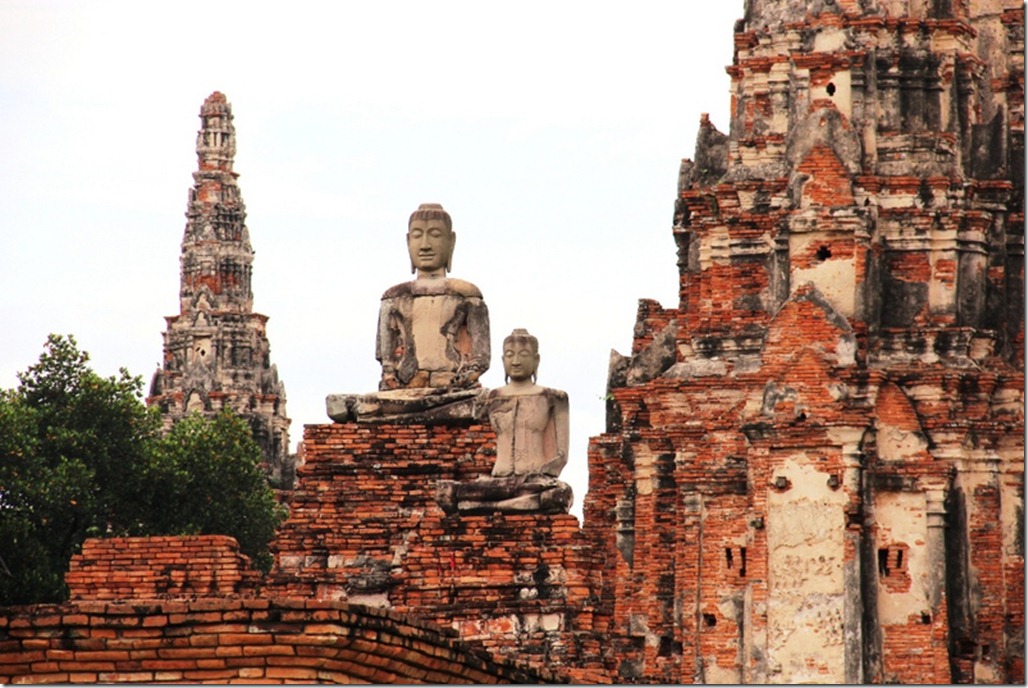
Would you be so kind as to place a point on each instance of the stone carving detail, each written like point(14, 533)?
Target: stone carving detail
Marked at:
point(531, 424)
point(432, 339)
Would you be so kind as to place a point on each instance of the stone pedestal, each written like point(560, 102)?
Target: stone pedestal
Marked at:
point(532, 493)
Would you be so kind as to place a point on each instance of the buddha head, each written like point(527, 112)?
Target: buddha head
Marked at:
point(430, 240)
point(520, 356)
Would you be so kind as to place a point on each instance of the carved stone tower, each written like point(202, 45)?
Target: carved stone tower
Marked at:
point(216, 350)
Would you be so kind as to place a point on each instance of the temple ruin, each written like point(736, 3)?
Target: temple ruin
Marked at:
point(827, 431)
point(813, 465)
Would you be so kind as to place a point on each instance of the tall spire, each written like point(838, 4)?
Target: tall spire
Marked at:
point(216, 140)
point(216, 253)
point(216, 350)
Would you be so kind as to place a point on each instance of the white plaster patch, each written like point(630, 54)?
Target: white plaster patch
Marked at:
point(982, 348)
point(895, 444)
point(644, 474)
point(715, 247)
point(717, 675)
point(846, 351)
point(840, 93)
point(897, 200)
point(806, 549)
point(924, 393)
point(729, 608)
point(377, 601)
point(829, 40)
point(697, 367)
point(1008, 400)
point(550, 622)
point(835, 279)
point(901, 519)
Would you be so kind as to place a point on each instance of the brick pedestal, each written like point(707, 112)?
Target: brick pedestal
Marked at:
point(365, 528)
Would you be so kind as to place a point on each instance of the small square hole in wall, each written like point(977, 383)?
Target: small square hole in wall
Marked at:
point(735, 560)
point(893, 565)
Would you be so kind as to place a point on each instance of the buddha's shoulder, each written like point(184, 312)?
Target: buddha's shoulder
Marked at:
point(434, 287)
point(555, 394)
point(464, 288)
point(531, 392)
point(397, 290)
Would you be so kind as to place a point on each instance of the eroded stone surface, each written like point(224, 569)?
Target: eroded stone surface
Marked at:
point(532, 492)
point(433, 331)
point(411, 405)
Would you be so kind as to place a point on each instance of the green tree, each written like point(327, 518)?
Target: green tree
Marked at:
point(194, 464)
point(82, 456)
point(73, 446)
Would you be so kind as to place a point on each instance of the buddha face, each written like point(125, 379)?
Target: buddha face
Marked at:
point(520, 360)
point(430, 243)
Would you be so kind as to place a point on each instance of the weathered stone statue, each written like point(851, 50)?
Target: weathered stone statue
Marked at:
point(432, 339)
point(432, 331)
point(531, 424)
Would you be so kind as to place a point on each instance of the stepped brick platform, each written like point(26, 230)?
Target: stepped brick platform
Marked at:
point(365, 528)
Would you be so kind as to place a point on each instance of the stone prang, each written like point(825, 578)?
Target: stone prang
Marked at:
point(814, 464)
point(216, 351)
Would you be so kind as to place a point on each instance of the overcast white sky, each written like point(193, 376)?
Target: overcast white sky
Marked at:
point(552, 133)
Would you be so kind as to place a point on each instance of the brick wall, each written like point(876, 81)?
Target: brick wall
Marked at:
point(160, 567)
point(221, 640)
point(841, 406)
point(364, 529)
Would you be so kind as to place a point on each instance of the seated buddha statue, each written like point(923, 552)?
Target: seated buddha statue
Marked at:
point(531, 425)
point(433, 334)
point(434, 330)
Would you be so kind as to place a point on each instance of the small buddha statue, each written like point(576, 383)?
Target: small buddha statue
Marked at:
point(531, 424)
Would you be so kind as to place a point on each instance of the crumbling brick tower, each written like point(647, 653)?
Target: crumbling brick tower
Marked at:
point(814, 465)
point(216, 351)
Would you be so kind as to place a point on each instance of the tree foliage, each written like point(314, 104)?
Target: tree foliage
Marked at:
point(195, 463)
point(82, 456)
